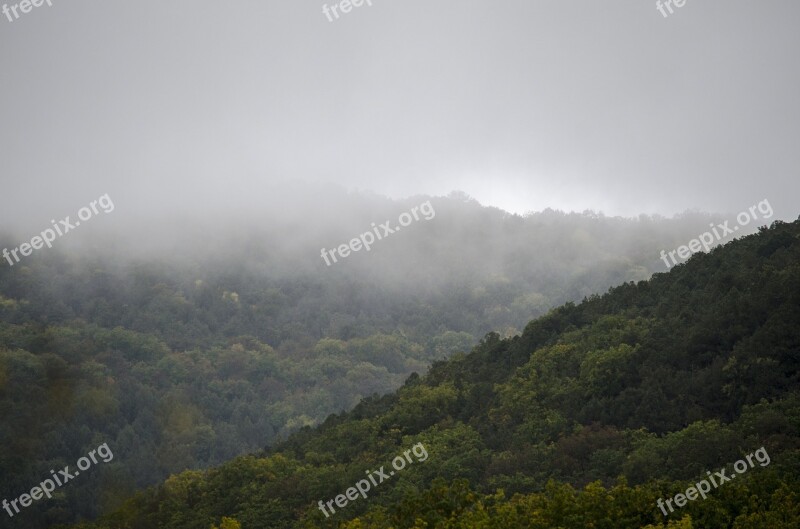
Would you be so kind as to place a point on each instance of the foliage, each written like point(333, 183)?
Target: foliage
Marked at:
point(185, 361)
point(585, 420)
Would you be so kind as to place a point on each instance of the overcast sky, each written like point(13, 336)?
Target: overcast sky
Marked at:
point(523, 104)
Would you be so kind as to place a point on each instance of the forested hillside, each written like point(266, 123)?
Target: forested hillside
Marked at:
point(188, 358)
point(591, 415)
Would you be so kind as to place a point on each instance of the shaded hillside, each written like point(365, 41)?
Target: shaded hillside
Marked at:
point(592, 414)
point(232, 338)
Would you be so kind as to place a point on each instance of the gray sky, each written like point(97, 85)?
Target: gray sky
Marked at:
point(523, 104)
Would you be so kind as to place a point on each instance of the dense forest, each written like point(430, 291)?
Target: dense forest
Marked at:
point(586, 419)
point(410, 265)
point(183, 360)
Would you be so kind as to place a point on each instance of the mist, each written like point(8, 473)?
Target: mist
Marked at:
point(193, 109)
point(534, 235)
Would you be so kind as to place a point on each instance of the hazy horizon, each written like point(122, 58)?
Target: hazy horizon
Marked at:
point(523, 106)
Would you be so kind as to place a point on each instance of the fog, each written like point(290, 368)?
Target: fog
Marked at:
point(192, 112)
point(222, 222)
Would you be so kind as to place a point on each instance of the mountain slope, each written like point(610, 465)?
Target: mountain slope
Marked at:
point(653, 383)
point(231, 333)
